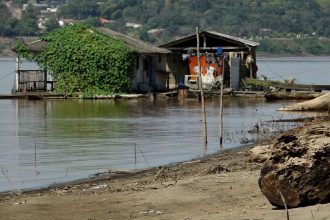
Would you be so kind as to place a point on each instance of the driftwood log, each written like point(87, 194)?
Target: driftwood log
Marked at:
point(298, 168)
point(319, 103)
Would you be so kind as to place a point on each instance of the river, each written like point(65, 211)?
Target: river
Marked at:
point(51, 141)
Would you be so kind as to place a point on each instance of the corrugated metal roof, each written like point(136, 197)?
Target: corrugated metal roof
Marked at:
point(213, 39)
point(36, 46)
point(135, 44)
point(244, 41)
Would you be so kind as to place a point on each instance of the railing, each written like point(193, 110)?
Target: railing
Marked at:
point(26, 86)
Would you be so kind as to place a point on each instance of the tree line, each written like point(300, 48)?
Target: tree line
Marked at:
point(252, 19)
point(244, 18)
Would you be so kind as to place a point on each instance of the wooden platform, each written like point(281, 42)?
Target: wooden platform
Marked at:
point(32, 96)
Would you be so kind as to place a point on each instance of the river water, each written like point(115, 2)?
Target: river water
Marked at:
point(49, 141)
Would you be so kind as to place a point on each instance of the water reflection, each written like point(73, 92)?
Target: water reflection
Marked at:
point(60, 140)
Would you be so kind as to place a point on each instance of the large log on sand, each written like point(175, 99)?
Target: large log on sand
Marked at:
point(298, 169)
point(319, 103)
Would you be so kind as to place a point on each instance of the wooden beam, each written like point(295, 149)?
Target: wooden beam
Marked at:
point(227, 49)
point(201, 92)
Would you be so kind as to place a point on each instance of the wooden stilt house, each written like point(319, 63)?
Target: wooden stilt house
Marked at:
point(221, 55)
point(155, 69)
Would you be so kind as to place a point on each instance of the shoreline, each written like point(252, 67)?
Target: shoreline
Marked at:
point(223, 185)
point(118, 174)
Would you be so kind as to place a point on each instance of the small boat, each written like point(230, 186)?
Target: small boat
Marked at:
point(291, 95)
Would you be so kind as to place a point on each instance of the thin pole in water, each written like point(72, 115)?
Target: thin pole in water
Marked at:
point(35, 154)
point(200, 85)
point(221, 104)
point(135, 159)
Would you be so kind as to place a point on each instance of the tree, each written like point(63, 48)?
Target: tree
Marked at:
point(80, 9)
point(20, 2)
point(93, 21)
point(51, 24)
point(28, 25)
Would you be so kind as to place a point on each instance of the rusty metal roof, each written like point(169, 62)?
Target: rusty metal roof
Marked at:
point(212, 38)
point(135, 44)
point(36, 46)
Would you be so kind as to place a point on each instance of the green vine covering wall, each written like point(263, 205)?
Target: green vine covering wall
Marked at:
point(84, 61)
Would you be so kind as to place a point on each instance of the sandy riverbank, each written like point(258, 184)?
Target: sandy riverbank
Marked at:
point(221, 186)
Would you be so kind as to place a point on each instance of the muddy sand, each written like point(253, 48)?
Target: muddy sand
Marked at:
point(221, 186)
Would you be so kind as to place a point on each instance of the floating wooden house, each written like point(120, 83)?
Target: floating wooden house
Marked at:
point(163, 68)
point(156, 69)
point(221, 55)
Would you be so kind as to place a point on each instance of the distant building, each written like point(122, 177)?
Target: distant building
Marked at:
point(64, 22)
point(40, 6)
point(105, 21)
point(133, 25)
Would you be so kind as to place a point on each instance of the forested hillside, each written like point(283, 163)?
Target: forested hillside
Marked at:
point(245, 18)
point(300, 23)
point(159, 21)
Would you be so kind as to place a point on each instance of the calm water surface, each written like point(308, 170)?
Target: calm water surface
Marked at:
point(306, 70)
point(43, 142)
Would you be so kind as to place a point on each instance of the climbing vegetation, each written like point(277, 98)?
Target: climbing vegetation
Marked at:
point(84, 61)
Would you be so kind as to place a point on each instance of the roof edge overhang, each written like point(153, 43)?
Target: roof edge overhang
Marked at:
point(138, 46)
point(215, 35)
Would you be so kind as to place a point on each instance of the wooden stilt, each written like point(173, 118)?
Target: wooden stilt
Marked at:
point(200, 85)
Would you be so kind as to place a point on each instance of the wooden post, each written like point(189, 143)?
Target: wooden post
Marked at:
point(204, 42)
point(45, 80)
point(16, 89)
point(251, 71)
point(221, 103)
point(200, 85)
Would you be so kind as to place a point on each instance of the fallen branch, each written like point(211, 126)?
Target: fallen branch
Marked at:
point(294, 119)
point(177, 179)
point(286, 207)
point(191, 162)
point(156, 176)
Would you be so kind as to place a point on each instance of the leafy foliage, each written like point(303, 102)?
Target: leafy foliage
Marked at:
point(84, 61)
point(51, 24)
